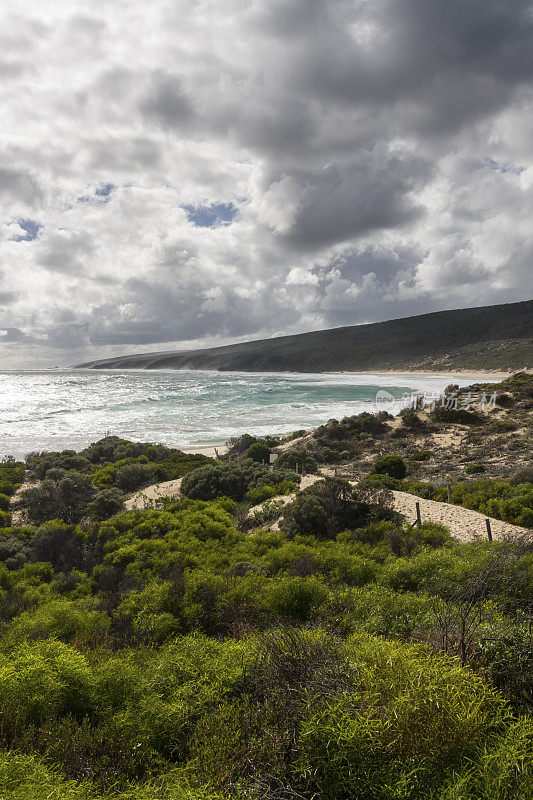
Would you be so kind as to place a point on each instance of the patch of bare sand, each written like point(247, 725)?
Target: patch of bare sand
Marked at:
point(149, 497)
point(298, 442)
point(213, 451)
point(464, 524)
point(465, 373)
point(452, 438)
point(19, 515)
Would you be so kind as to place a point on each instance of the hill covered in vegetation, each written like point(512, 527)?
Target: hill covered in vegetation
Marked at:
point(195, 651)
point(488, 338)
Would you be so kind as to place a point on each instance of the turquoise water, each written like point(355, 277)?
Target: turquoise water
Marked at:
point(52, 410)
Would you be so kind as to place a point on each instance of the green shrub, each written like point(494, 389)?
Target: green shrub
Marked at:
point(224, 480)
point(422, 455)
point(65, 498)
point(5, 502)
point(324, 509)
point(381, 611)
point(25, 777)
point(240, 444)
point(62, 619)
point(419, 488)
point(61, 545)
point(306, 516)
point(507, 654)
point(300, 458)
point(523, 475)
point(5, 519)
point(67, 460)
point(296, 598)
point(155, 612)
point(407, 715)
point(503, 426)
point(502, 771)
point(11, 476)
point(132, 476)
point(259, 452)
point(471, 469)
point(267, 491)
point(433, 534)
point(391, 465)
point(511, 502)
point(105, 504)
point(411, 420)
point(41, 680)
point(456, 416)
point(427, 569)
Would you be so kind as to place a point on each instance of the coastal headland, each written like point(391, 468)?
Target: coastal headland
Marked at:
point(491, 338)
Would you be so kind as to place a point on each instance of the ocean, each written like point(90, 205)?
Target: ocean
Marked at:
point(60, 409)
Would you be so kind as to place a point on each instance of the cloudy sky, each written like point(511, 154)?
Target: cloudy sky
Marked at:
point(186, 172)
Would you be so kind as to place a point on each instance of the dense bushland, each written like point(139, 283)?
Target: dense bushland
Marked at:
point(177, 653)
point(341, 440)
point(92, 483)
point(234, 480)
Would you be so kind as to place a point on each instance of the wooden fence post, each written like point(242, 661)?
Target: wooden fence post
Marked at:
point(489, 531)
point(418, 517)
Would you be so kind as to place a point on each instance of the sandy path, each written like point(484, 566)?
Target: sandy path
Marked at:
point(307, 480)
point(151, 494)
point(19, 516)
point(211, 450)
point(464, 524)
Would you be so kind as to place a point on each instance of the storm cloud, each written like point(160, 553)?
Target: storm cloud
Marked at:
point(205, 172)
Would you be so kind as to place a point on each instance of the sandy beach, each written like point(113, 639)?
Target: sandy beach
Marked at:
point(210, 450)
point(476, 375)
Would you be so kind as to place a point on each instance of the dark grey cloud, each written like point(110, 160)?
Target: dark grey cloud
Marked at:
point(66, 252)
point(11, 335)
point(6, 298)
point(437, 65)
point(166, 103)
point(341, 203)
point(123, 154)
point(18, 185)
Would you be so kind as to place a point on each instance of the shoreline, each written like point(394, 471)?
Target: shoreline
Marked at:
point(204, 450)
point(465, 373)
point(436, 373)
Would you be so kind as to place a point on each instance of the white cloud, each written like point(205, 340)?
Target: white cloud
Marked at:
point(378, 156)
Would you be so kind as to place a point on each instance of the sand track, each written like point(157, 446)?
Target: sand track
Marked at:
point(464, 524)
point(148, 497)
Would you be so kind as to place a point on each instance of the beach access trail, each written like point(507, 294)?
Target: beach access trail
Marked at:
point(148, 497)
point(464, 524)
